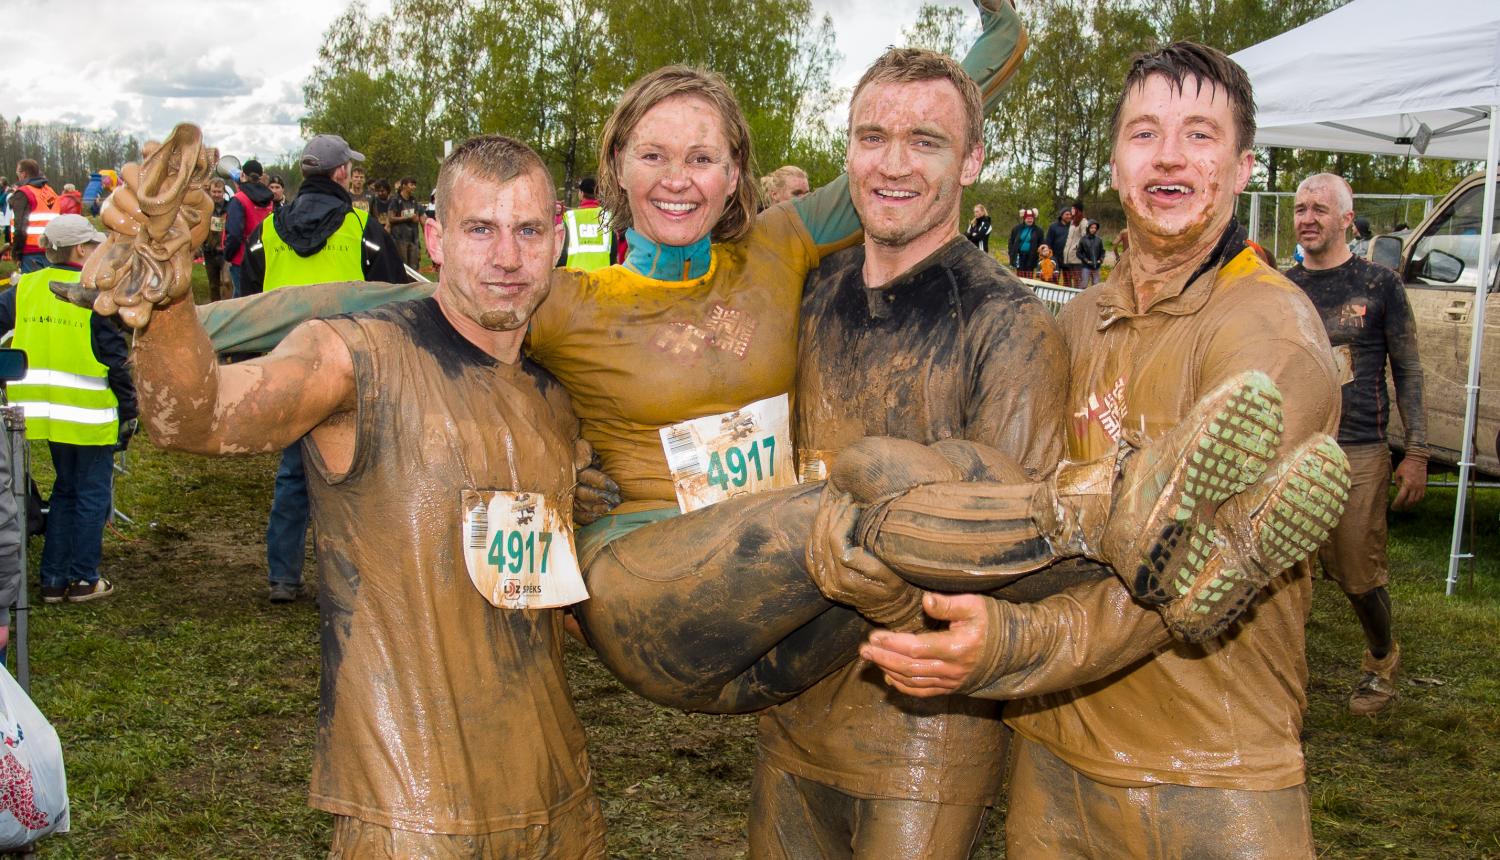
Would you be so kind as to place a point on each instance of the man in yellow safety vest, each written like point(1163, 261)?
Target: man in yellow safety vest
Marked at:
point(317, 238)
point(78, 396)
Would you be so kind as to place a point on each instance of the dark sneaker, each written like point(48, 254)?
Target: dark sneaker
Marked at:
point(1255, 536)
point(285, 592)
point(83, 592)
point(1376, 691)
point(54, 593)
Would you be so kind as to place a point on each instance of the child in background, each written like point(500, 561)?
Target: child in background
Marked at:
point(1046, 270)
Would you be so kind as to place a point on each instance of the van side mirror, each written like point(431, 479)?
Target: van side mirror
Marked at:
point(12, 365)
point(1441, 267)
point(1386, 250)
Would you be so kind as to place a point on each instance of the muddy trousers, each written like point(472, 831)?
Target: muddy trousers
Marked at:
point(793, 818)
point(576, 833)
point(1057, 812)
point(714, 610)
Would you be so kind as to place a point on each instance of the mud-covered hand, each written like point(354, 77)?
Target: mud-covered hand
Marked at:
point(940, 662)
point(1411, 482)
point(596, 494)
point(155, 219)
point(853, 576)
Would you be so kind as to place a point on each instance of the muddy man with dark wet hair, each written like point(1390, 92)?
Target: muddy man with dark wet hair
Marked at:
point(1130, 744)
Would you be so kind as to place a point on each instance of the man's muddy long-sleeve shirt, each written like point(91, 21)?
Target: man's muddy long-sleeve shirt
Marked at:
point(955, 348)
point(1364, 308)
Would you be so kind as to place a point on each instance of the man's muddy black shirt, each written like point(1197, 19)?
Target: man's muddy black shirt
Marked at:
point(1364, 309)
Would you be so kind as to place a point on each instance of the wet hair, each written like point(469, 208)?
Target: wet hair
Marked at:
point(488, 157)
point(913, 65)
point(1182, 60)
point(29, 168)
point(778, 178)
point(646, 93)
point(1343, 195)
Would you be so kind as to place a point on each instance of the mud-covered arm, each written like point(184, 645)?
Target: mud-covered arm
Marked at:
point(1406, 368)
point(256, 324)
point(192, 403)
point(995, 649)
point(829, 213)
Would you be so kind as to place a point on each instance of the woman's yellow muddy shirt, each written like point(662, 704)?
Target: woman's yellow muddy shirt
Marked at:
point(639, 354)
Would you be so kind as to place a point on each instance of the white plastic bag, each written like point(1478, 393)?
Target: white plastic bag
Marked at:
point(33, 786)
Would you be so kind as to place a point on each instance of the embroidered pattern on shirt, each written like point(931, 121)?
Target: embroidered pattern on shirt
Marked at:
point(726, 329)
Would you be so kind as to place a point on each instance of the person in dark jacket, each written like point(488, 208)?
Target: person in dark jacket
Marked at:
point(1057, 235)
point(1090, 255)
point(318, 236)
point(979, 228)
point(249, 206)
point(1025, 245)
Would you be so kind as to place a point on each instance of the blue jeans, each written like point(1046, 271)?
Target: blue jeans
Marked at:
point(32, 262)
point(234, 281)
point(286, 533)
point(79, 509)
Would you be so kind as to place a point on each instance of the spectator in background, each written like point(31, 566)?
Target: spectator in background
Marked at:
point(1057, 237)
point(980, 227)
point(1090, 255)
point(1046, 269)
point(1025, 245)
point(33, 205)
point(277, 184)
point(587, 241)
point(380, 201)
point(404, 212)
point(248, 207)
point(213, 244)
point(1072, 264)
point(70, 201)
point(787, 182)
point(79, 399)
point(5, 215)
point(318, 237)
point(1359, 246)
point(359, 195)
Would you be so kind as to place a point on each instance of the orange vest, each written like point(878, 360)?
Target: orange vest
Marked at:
point(43, 208)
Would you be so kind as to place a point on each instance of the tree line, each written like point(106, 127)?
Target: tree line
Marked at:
point(66, 153)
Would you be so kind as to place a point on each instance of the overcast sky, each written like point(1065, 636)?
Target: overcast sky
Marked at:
point(237, 66)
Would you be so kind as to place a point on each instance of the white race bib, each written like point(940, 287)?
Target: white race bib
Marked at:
point(719, 456)
point(519, 551)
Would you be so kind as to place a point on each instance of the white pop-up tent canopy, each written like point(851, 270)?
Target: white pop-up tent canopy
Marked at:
point(1393, 77)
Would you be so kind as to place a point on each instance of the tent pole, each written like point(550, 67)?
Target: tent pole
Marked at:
point(1476, 345)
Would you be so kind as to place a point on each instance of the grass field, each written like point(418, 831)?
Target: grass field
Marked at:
point(186, 702)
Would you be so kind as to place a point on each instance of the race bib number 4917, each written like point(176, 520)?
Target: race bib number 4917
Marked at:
point(519, 550)
point(719, 456)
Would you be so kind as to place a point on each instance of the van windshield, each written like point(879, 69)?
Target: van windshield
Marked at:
point(1457, 232)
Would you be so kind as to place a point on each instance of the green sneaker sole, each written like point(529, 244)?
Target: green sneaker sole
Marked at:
point(1301, 503)
point(1234, 441)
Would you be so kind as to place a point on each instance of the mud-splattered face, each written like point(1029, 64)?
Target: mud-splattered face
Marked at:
point(678, 170)
point(1178, 163)
point(908, 160)
point(496, 249)
point(1320, 223)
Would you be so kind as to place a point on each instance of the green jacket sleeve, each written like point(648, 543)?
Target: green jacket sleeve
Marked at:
point(257, 323)
point(829, 212)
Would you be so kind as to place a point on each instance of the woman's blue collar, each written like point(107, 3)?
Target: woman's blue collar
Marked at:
point(667, 262)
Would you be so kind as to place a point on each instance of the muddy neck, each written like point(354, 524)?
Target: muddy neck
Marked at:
point(886, 263)
point(503, 346)
point(1158, 261)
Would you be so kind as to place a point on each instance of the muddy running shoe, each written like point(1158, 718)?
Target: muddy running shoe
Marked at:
point(1174, 484)
point(83, 592)
point(1376, 691)
point(54, 593)
point(1255, 536)
point(285, 592)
